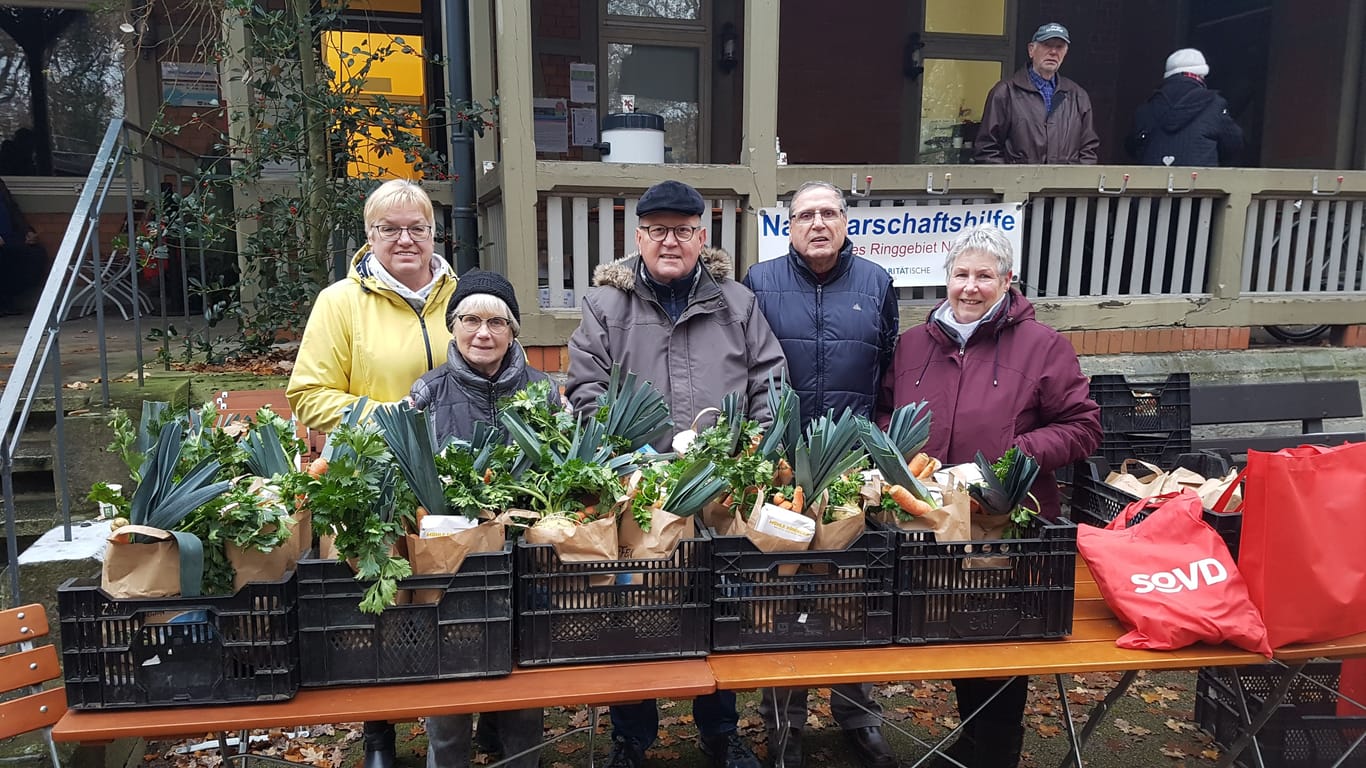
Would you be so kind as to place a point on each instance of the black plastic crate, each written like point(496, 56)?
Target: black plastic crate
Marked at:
point(806, 599)
point(1160, 448)
point(957, 591)
point(1095, 502)
point(1143, 405)
point(467, 633)
point(171, 651)
point(1305, 731)
point(612, 610)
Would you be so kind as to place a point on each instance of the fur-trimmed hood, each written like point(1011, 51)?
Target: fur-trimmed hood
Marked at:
point(621, 273)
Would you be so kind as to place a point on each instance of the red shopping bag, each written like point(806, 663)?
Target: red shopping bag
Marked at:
point(1352, 684)
point(1304, 524)
point(1170, 579)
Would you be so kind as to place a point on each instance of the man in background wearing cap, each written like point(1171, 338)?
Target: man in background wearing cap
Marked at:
point(1185, 123)
point(1037, 115)
point(675, 315)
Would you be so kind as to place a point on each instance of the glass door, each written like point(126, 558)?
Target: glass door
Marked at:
point(966, 47)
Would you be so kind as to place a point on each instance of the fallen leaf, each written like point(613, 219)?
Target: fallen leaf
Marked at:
point(1048, 731)
point(1179, 725)
point(1210, 754)
point(1172, 751)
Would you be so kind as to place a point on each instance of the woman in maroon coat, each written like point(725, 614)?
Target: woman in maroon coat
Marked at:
point(994, 378)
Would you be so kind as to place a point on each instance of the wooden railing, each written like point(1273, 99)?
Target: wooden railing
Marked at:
point(1104, 247)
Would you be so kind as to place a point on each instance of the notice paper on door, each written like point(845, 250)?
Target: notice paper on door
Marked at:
point(585, 126)
point(551, 121)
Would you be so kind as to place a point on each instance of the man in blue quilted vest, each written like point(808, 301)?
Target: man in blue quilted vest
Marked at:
point(835, 315)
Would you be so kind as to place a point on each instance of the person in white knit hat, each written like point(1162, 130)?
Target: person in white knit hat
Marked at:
point(1184, 122)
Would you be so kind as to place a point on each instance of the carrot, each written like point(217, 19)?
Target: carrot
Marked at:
point(729, 501)
point(931, 467)
point(418, 515)
point(779, 498)
point(589, 512)
point(907, 501)
point(786, 505)
point(317, 467)
point(797, 498)
point(488, 476)
point(918, 463)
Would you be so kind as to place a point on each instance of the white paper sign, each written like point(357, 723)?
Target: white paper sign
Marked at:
point(585, 126)
point(551, 120)
point(583, 83)
point(910, 242)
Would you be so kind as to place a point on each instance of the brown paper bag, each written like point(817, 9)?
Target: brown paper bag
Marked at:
point(250, 565)
point(445, 554)
point(988, 528)
point(837, 535)
point(950, 522)
point(141, 570)
point(1213, 488)
point(718, 517)
point(666, 531)
point(583, 543)
point(766, 542)
point(1139, 478)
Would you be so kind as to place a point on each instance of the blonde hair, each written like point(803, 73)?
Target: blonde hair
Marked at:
point(483, 304)
point(397, 193)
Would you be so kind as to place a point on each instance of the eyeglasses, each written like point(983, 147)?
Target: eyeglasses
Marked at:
point(683, 232)
point(390, 233)
point(471, 324)
point(825, 214)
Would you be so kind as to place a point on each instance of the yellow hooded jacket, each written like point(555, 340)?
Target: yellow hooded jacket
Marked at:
point(362, 338)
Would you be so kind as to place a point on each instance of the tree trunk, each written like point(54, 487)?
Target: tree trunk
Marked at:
point(318, 172)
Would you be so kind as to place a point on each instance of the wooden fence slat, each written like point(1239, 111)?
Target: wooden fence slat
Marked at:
point(1142, 255)
point(729, 225)
point(1100, 259)
point(1199, 283)
point(607, 235)
point(580, 240)
point(1337, 280)
point(1157, 255)
point(1053, 280)
point(554, 238)
point(1182, 243)
point(1076, 258)
point(1355, 258)
point(628, 227)
point(1035, 253)
point(1121, 241)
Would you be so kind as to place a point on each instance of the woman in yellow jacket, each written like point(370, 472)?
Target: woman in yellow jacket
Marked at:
point(376, 332)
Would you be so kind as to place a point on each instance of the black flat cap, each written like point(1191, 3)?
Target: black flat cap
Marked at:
point(483, 281)
point(671, 196)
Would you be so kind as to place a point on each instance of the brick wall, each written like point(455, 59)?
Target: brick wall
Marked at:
point(1148, 340)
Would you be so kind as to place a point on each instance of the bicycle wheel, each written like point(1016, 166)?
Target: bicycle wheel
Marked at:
point(1297, 334)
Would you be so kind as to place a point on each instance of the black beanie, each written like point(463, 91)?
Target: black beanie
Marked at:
point(483, 281)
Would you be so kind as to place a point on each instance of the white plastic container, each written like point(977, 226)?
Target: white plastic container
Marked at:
point(635, 137)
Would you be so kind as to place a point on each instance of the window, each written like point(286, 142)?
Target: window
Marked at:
point(398, 79)
point(59, 134)
point(656, 52)
point(967, 49)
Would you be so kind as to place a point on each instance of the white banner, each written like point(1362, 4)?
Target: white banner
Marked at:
point(910, 242)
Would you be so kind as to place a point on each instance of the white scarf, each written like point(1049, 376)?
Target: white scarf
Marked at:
point(417, 298)
point(965, 330)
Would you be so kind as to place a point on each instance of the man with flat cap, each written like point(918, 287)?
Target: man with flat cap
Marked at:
point(674, 314)
point(1036, 115)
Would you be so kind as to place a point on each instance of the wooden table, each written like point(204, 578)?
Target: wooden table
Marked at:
point(524, 688)
point(1090, 648)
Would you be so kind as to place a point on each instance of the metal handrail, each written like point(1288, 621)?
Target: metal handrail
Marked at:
point(40, 350)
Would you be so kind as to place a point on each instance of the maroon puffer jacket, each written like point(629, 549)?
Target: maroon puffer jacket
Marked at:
point(1016, 383)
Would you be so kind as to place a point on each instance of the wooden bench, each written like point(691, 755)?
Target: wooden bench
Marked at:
point(1306, 402)
point(23, 671)
point(246, 402)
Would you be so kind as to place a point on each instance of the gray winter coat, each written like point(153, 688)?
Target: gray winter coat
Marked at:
point(720, 344)
point(456, 397)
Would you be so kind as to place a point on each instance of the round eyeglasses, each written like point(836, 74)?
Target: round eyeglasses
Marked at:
point(471, 324)
point(390, 233)
point(683, 232)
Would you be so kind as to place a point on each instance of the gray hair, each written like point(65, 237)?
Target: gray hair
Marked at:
point(807, 186)
point(484, 304)
point(983, 238)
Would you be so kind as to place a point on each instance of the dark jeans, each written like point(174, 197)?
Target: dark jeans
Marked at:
point(714, 713)
point(994, 737)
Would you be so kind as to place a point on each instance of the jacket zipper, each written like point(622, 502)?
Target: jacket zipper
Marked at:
point(820, 345)
point(426, 340)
